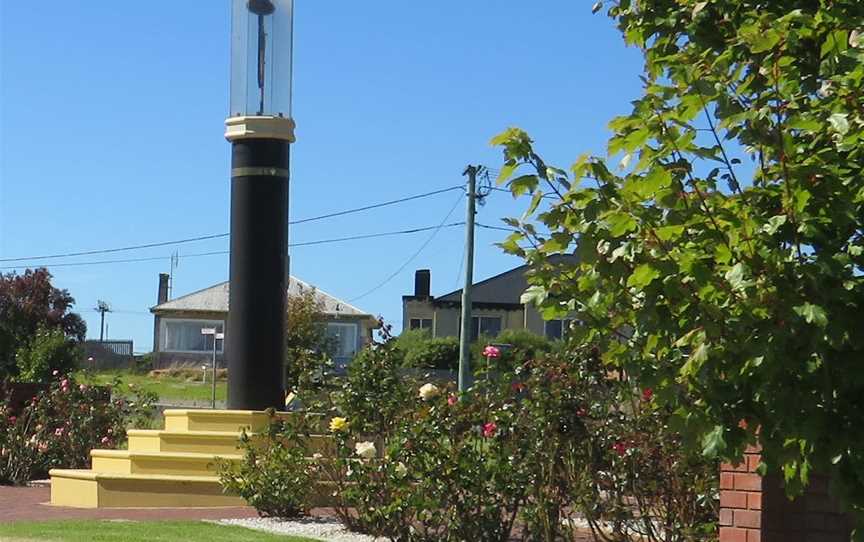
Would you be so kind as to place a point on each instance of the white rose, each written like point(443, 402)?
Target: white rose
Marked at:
point(365, 449)
point(856, 39)
point(428, 391)
point(401, 469)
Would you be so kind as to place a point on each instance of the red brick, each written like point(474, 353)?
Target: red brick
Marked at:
point(753, 461)
point(754, 535)
point(753, 449)
point(754, 501)
point(732, 467)
point(747, 482)
point(731, 534)
point(727, 480)
point(733, 499)
point(725, 517)
point(748, 518)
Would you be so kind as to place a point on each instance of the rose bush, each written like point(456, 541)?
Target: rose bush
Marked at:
point(274, 475)
point(59, 427)
point(553, 440)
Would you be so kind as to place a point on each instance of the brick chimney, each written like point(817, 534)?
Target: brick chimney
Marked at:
point(422, 283)
point(162, 297)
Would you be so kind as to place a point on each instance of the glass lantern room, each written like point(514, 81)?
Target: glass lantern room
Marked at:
point(261, 40)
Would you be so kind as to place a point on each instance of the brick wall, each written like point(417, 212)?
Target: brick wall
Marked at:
point(756, 509)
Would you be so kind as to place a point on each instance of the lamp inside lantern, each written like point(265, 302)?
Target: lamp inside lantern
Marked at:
point(261, 43)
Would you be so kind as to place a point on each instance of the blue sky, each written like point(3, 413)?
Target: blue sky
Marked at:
point(111, 123)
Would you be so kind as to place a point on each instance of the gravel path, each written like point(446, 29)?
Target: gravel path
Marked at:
point(322, 529)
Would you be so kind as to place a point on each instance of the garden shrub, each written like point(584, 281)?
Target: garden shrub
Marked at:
point(274, 475)
point(47, 351)
point(535, 446)
point(30, 306)
point(374, 393)
point(58, 427)
point(441, 353)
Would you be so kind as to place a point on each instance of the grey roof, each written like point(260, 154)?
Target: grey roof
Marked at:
point(215, 299)
point(503, 289)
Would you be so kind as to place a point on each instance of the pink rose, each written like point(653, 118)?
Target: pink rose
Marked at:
point(620, 448)
point(12, 419)
point(58, 432)
point(489, 429)
point(491, 351)
point(55, 372)
point(581, 412)
point(452, 400)
point(43, 447)
point(64, 383)
point(105, 440)
point(82, 387)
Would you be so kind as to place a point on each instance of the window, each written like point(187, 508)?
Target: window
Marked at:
point(489, 326)
point(343, 337)
point(420, 323)
point(559, 329)
point(185, 335)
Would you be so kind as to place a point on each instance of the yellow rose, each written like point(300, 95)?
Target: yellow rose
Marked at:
point(338, 424)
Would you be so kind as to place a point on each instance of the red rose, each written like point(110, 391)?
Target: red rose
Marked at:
point(647, 394)
point(489, 429)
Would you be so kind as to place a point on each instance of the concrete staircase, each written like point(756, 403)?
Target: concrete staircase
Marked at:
point(174, 467)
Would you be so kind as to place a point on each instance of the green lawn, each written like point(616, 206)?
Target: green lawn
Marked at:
point(133, 531)
point(167, 388)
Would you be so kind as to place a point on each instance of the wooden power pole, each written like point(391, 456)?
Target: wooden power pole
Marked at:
point(465, 333)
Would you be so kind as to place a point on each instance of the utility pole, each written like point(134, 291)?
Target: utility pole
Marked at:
point(465, 333)
point(102, 307)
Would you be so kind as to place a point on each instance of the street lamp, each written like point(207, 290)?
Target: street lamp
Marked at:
point(260, 130)
point(216, 337)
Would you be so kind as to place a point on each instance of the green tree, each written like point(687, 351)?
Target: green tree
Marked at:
point(721, 256)
point(30, 306)
point(307, 347)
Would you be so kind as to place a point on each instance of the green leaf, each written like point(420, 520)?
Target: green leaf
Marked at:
point(620, 223)
point(813, 314)
point(714, 442)
point(695, 361)
point(736, 277)
point(668, 233)
point(774, 224)
point(839, 123)
point(758, 39)
point(643, 275)
point(523, 184)
point(505, 173)
point(533, 295)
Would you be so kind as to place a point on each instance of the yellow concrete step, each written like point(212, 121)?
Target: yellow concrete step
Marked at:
point(89, 489)
point(174, 463)
point(215, 420)
point(210, 442)
point(206, 442)
point(232, 420)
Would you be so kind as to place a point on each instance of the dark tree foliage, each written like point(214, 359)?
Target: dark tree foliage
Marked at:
point(29, 303)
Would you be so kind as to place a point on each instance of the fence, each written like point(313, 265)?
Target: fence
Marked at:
point(108, 354)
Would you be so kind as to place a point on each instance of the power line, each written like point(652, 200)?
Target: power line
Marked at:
point(377, 205)
point(409, 260)
point(221, 235)
point(222, 252)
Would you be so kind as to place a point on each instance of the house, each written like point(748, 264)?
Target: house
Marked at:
point(177, 338)
point(496, 306)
